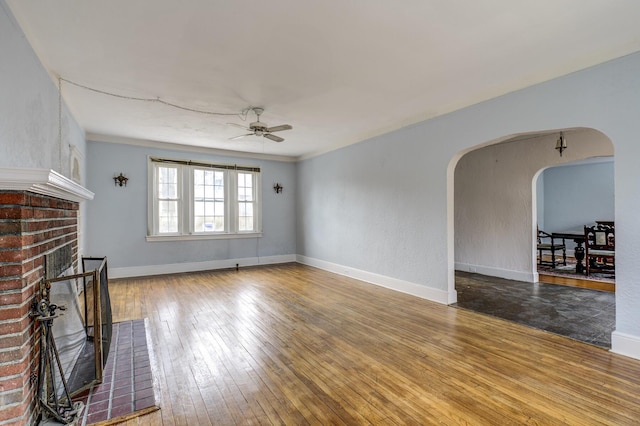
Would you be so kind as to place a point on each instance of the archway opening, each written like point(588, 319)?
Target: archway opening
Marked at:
point(568, 198)
point(495, 211)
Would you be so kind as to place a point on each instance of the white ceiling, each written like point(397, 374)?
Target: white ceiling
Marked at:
point(338, 71)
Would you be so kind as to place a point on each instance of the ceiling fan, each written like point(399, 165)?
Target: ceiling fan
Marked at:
point(258, 128)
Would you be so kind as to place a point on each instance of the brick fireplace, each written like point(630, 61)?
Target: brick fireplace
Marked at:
point(38, 214)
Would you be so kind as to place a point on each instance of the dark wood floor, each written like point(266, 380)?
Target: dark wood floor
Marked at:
point(290, 344)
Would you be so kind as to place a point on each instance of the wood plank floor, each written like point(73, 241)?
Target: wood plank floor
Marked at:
point(577, 282)
point(290, 344)
point(573, 280)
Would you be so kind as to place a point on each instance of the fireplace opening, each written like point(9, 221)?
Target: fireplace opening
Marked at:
point(82, 329)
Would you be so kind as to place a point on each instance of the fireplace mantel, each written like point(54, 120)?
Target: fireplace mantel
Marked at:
point(43, 181)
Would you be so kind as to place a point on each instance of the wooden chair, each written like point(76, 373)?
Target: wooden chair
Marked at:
point(605, 223)
point(546, 242)
point(599, 248)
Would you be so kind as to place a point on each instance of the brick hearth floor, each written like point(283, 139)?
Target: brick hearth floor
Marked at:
point(128, 382)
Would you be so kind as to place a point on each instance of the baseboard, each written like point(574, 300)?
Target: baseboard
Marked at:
point(625, 344)
point(413, 289)
point(508, 274)
point(174, 268)
point(418, 290)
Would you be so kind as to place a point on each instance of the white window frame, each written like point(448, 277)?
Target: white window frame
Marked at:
point(186, 218)
point(156, 200)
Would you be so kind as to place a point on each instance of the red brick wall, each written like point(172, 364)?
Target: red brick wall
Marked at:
point(31, 226)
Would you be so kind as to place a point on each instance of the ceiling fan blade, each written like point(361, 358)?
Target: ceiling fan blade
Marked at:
point(279, 128)
point(273, 137)
point(240, 137)
point(238, 125)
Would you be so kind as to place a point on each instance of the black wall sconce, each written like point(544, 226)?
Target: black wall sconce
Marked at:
point(561, 144)
point(120, 180)
point(278, 188)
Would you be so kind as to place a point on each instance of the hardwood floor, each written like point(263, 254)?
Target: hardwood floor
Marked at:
point(573, 280)
point(290, 344)
point(577, 282)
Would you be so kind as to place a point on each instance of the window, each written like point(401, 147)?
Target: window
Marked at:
point(191, 200)
point(246, 202)
point(168, 200)
point(208, 201)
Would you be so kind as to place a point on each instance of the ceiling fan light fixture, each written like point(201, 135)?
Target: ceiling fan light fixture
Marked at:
point(258, 128)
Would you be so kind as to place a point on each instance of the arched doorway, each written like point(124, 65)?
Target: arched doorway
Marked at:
point(494, 198)
point(568, 197)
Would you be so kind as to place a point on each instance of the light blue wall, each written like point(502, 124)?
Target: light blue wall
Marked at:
point(369, 207)
point(117, 217)
point(385, 205)
point(29, 107)
point(577, 195)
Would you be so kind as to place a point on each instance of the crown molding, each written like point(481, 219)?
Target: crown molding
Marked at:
point(96, 137)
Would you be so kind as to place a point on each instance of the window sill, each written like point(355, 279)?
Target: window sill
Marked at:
point(197, 237)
